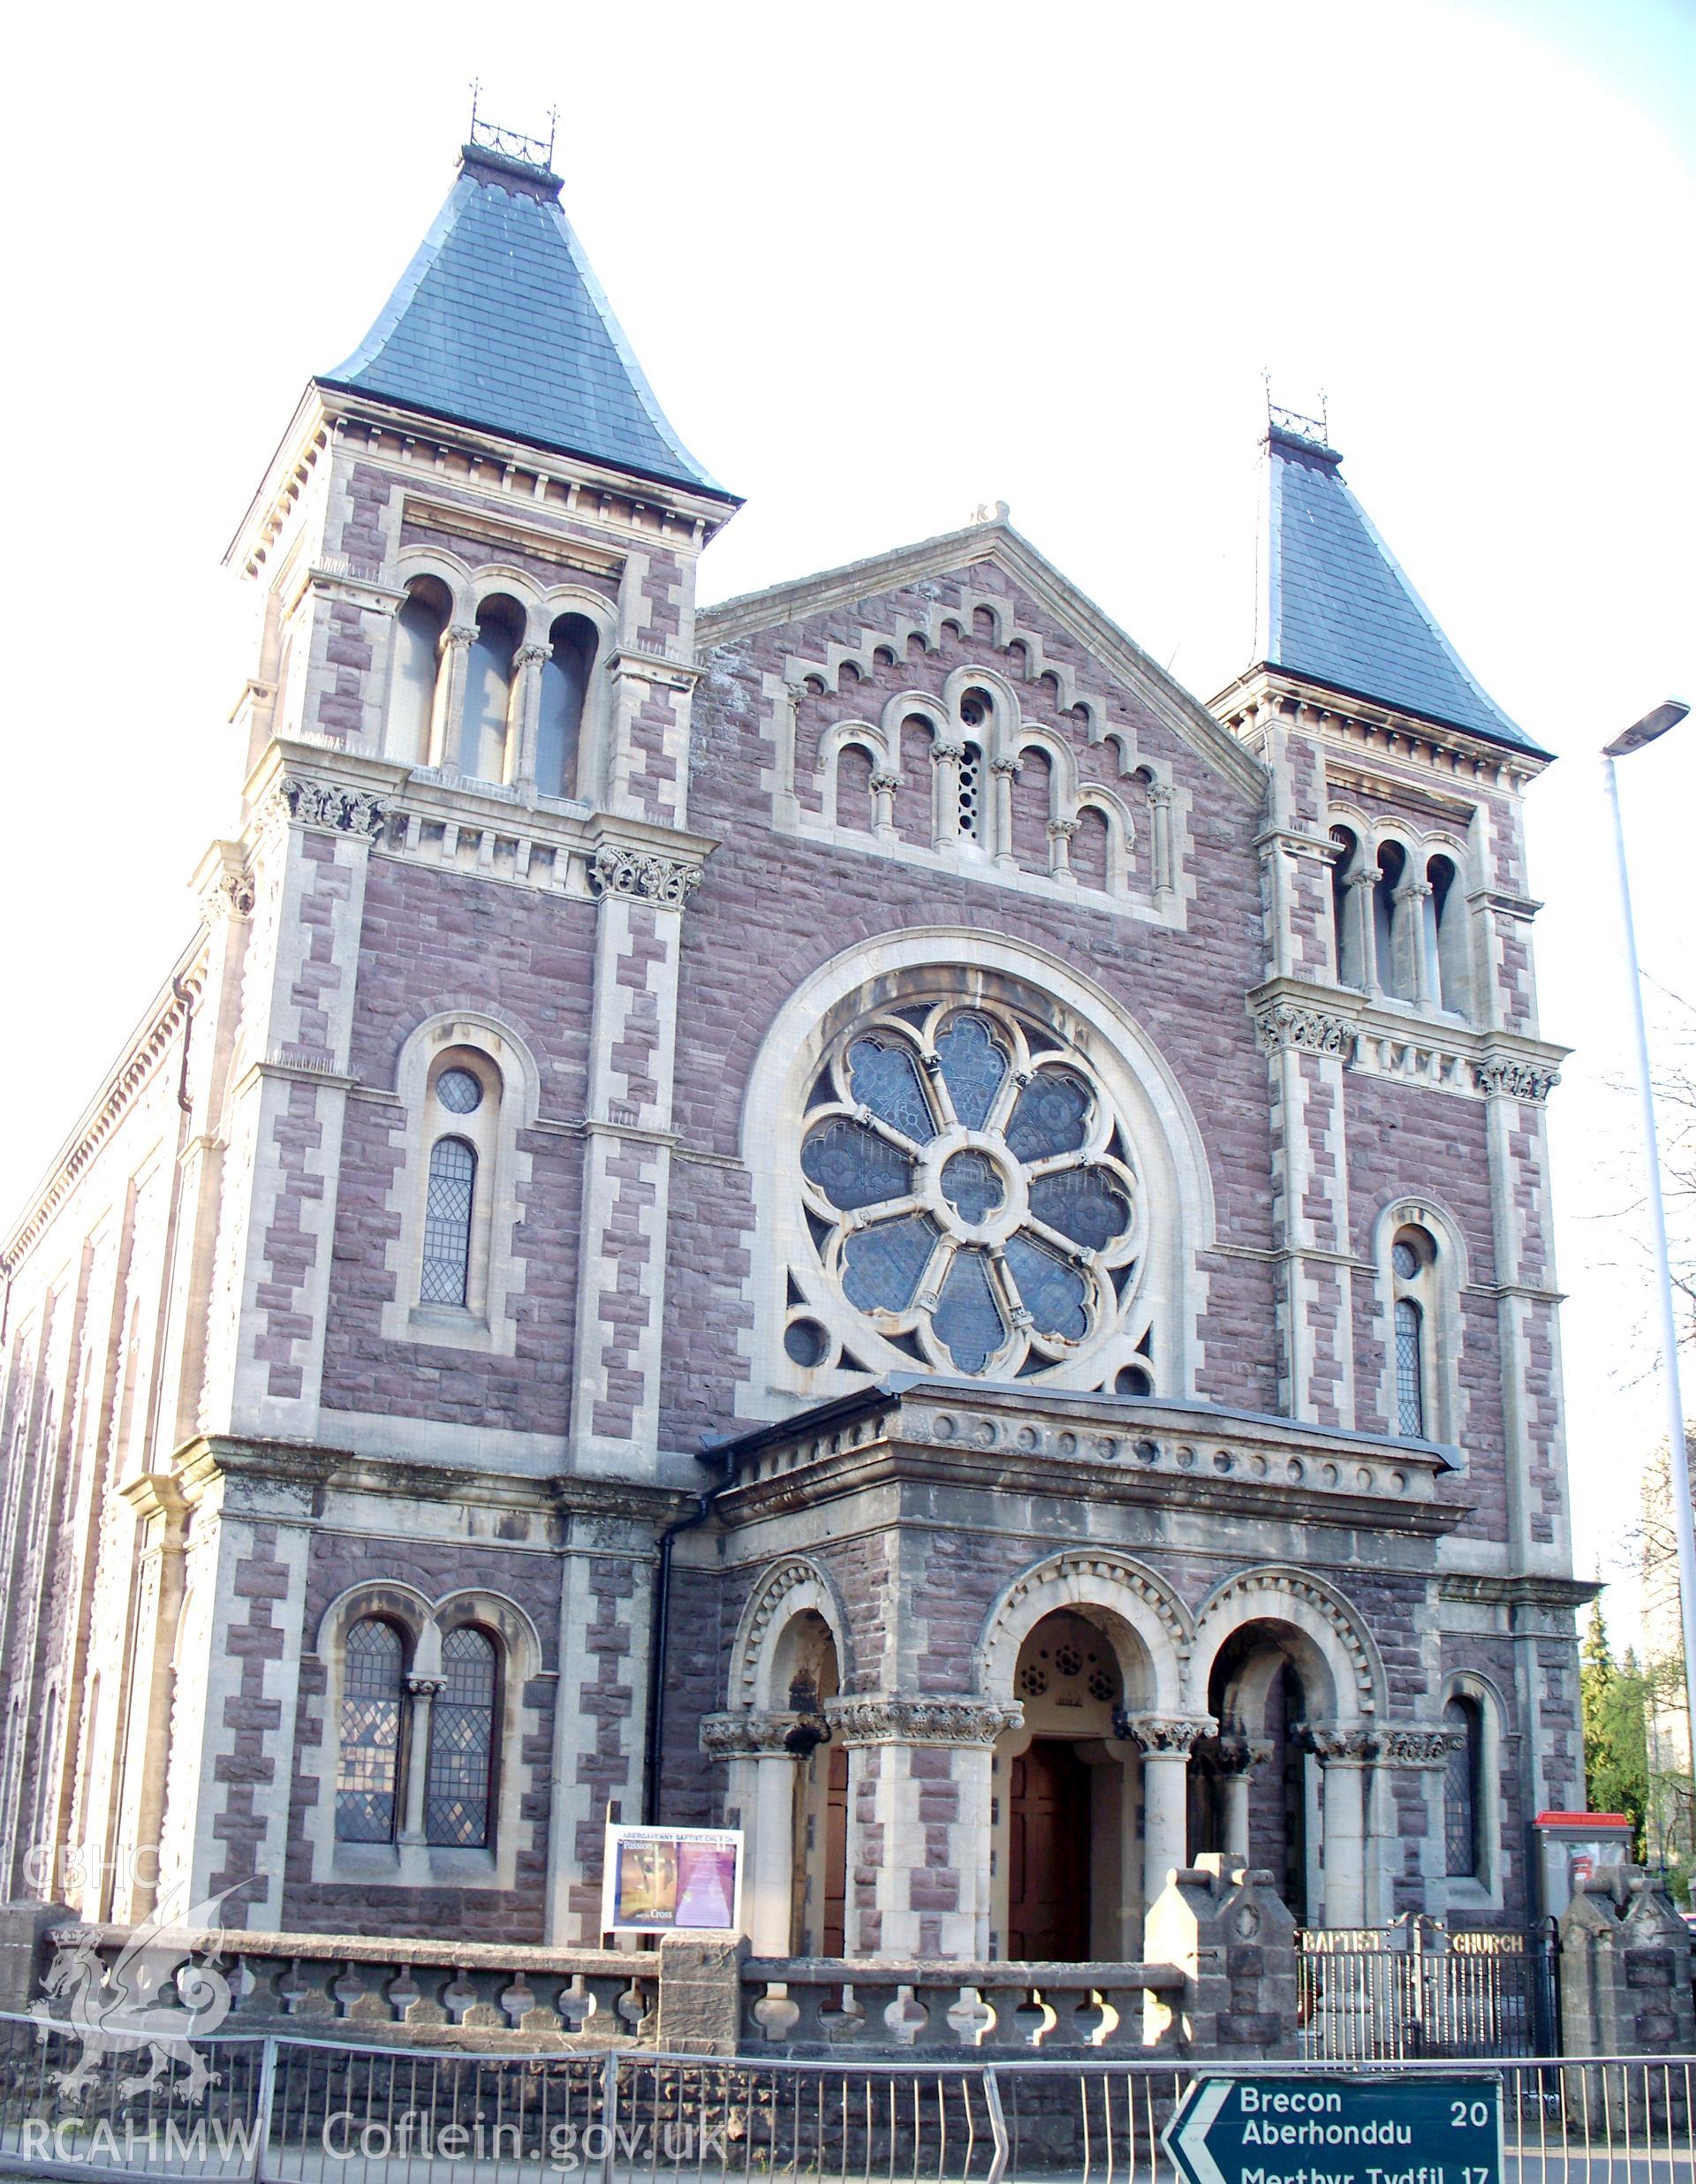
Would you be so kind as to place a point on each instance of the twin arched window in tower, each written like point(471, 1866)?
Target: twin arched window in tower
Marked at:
point(1399, 917)
point(417, 1753)
point(484, 699)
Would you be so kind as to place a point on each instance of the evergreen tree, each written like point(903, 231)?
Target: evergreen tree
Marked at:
point(1613, 1705)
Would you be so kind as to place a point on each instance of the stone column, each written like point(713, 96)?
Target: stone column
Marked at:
point(1361, 885)
point(1167, 1741)
point(421, 1692)
point(525, 717)
point(1004, 772)
point(1235, 1758)
point(762, 1751)
point(1427, 1749)
point(1409, 931)
point(1160, 803)
point(448, 714)
point(1343, 1755)
point(883, 788)
point(919, 1823)
point(945, 758)
point(1060, 834)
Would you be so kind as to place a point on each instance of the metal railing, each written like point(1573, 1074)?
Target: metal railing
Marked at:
point(1414, 1992)
point(281, 2110)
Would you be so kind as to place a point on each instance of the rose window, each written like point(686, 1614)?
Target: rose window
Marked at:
point(969, 1189)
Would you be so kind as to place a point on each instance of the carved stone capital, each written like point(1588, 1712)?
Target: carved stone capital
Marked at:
point(530, 655)
point(1502, 1079)
point(425, 1686)
point(324, 804)
point(1414, 890)
point(1164, 1733)
point(921, 1720)
point(940, 751)
point(1310, 1031)
point(1061, 829)
point(1160, 794)
point(1238, 1755)
point(886, 781)
point(1011, 767)
point(1332, 1746)
point(1368, 876)
point(230, 896)
point(664, 881)
point(461, 633)
point(748, 1735)
point(1407, 1744)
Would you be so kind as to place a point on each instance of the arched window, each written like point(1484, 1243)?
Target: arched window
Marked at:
point(564, 690)
point(1089, 848)
point(368, 1774)
point(1413, 1261)
point(854, 808)
point(1345, 913)
point(447, 1217)
point(462, 1742)
point(419, 629)
point(489, 689)
point(1463, 1800)
point(1448, 978)
point(971, 793)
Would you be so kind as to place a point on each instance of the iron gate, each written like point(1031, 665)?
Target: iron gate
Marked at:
point(1415, 1992)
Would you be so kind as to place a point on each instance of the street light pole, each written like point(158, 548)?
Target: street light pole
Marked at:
point(1646, 731)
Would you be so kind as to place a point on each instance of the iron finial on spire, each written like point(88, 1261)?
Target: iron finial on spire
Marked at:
point(489, 136)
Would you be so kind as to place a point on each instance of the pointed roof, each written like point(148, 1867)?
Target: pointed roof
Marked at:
point(499, 322)
point(1338, 608)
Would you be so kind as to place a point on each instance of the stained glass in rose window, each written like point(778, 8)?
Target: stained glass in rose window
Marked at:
point(1049, 1116)
point(886, 1079)
point(974, 1066)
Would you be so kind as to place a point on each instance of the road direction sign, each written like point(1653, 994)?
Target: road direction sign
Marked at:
point(1303, 2130)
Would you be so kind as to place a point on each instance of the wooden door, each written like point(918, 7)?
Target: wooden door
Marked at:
point(1047, 1844)
point(835, 1921)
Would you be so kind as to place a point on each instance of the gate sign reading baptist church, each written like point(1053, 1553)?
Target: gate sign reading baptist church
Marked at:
point(1365, 2130)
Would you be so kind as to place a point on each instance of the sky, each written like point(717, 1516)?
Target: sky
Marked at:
point(882, 263)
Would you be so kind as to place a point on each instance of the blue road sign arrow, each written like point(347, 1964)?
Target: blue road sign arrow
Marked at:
point(1298, 2129)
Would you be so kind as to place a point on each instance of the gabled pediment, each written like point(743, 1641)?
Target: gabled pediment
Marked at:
point(1117, 657)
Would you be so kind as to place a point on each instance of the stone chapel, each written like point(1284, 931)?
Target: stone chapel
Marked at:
point(844, 1213)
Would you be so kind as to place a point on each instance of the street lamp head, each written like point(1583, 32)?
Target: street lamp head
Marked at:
point(1667, 715)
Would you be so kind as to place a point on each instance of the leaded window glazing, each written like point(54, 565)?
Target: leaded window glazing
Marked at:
point(969, 1190)
point(447, 1222)
point(1460, 1791)
point(367, 1772)
point(1410, 1368)
point(462, 1742)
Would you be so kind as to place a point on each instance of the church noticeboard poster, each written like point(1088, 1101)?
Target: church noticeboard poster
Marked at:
point(672, 1881)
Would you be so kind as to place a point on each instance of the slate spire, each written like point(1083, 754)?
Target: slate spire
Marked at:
point(499, 322)
point(1338, 608)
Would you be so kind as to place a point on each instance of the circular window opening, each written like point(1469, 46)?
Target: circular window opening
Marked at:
point(806, 1342)
point(458, 1091)
point(1133, 1381)
point(1405, 1260)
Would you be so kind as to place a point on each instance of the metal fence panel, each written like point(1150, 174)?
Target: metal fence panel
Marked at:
point(282, 2111)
